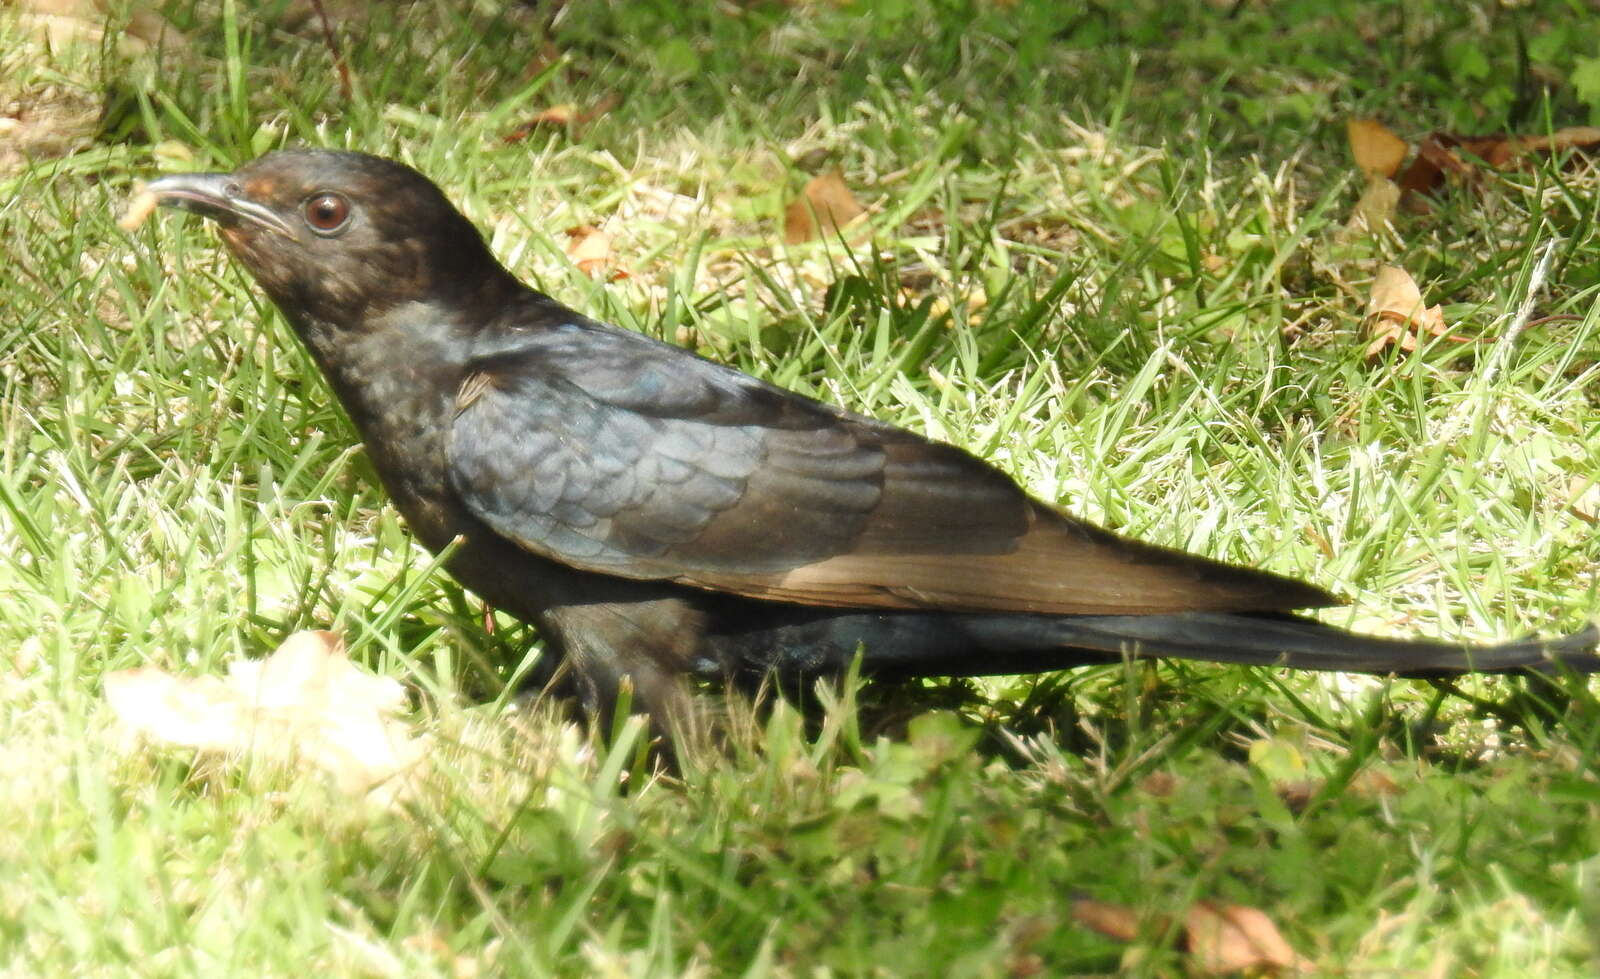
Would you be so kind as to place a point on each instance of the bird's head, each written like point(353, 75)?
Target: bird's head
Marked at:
point(336, 238)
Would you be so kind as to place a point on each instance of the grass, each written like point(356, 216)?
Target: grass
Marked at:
point(1106, 255)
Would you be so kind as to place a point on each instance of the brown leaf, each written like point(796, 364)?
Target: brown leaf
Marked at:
point(1378, 151)
point(1436, 158)
point(305, 703)
point(1583, 494)
point(1115, 921)
point(564, 115)
point(1224, 938)
point(556, 115)
point(1376, 208)
point(1219, 938)
point(1396, 314)
point(1571, 138)
point(824, 207)
point(1443, 155)
point(590, 250)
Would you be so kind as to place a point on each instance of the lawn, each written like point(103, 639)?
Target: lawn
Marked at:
point(1108, 247)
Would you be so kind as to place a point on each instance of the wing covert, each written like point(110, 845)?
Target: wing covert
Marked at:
point(611, 452)
point(690, 470)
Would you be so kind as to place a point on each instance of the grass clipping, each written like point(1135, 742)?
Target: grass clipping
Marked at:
point(305, 706)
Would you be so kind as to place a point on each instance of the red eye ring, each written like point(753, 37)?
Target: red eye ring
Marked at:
point(327, 213)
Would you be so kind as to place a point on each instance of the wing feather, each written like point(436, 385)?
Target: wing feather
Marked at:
point(610, 452)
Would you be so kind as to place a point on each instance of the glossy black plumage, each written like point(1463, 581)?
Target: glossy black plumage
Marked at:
point(655, 513)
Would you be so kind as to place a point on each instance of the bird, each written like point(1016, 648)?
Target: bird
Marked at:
point(658, 516)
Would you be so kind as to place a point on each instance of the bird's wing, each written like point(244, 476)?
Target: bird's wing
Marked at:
point(610, 452)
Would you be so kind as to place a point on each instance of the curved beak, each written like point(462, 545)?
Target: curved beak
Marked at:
point(216, 196)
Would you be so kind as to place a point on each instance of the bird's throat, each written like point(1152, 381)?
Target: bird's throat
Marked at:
point(397, 376)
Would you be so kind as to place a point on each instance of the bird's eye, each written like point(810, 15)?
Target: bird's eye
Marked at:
point(327, 214)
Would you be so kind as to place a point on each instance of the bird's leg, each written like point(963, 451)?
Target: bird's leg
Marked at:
point(628, 653)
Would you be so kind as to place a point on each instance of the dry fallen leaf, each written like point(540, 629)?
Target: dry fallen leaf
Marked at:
point(564, 115)
point(1443, 155)
point(560, 114)
point(1378, 151)
point(1436, 157)
point(589, 248)
point(1225, 938)
point(1583, 495)
point(1396, 314)
point(1375, 210)
point(824, 207)
point(1571, 138)
point(1115, 921)
point(304, 704)
point(1219, 938)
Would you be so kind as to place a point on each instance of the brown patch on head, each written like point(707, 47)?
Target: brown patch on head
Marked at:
point(261, 188)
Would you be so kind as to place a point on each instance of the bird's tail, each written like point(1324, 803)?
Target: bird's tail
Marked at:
point(1267, 640)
